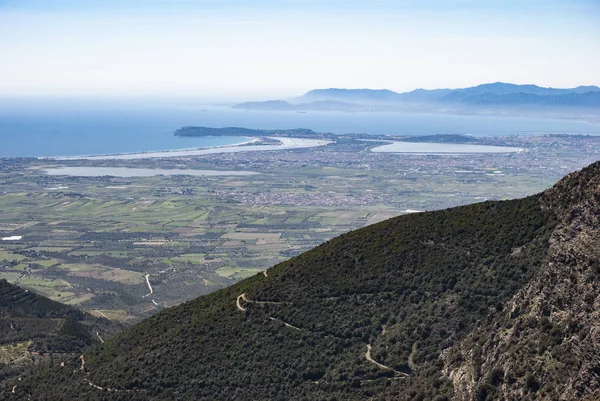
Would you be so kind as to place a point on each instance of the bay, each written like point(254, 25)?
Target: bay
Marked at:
point(46, 129)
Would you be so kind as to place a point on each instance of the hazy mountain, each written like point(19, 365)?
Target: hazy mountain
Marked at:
point(497, 94)
point(501, 88)
point(496, 300)
point(585, 99)
point(361, 95)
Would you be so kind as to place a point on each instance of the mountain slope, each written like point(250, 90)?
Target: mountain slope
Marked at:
point(545, 343)
point(35, 328)
point(404, 290)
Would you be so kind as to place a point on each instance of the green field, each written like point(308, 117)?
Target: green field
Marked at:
point(236, 272)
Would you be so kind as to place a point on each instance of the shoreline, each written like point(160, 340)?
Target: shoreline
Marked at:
point(150, 152)
point(286, 144)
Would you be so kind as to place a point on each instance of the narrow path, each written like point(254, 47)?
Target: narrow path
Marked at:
point(149, 286)
point(265, 273)
point(238, 304)
point(110, 390)
point(154, 302)
point(96, 386)
point(14, 388)
point(265, 302)
point(411, 357)
point(368, 358)
point(241, 297)
point(106, 317)
point(286, 324)
point(98, 334)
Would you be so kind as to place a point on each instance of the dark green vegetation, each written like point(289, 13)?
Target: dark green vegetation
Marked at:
point(410, 287)
point(34, 328)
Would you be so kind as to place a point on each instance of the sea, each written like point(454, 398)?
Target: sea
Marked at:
point(66, 128)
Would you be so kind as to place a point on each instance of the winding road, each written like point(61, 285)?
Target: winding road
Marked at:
point(382, 366)
point(241, 297)
point(368, 357)
point(239, 304)
point(149, 286)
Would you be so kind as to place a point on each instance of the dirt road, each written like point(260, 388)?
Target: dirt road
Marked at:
point(239, 304)
point(149, 286)
point(370, 359)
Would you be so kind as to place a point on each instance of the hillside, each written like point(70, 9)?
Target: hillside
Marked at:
point(496, 300)
point(35, 328)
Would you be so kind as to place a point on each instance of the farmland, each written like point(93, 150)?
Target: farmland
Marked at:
point(91, 241)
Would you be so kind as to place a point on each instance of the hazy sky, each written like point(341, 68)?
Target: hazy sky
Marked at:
point(268, 48)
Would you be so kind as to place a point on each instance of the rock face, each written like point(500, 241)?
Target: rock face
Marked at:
point(545, 344)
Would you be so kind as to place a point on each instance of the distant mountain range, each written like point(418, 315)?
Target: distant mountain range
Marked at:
point(496, 95)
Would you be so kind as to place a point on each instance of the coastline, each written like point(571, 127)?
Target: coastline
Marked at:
point(286, 143)
point(150, 154)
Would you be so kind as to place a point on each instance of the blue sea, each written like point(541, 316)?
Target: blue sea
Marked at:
point(63, 128)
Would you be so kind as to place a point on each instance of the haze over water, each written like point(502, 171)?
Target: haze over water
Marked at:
point(70, 131)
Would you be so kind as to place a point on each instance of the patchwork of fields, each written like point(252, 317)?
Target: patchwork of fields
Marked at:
point(95, 252)
point(124, 248)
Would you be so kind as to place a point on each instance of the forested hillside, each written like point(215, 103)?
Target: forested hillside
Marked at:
point(494, 300)
point(35, 329)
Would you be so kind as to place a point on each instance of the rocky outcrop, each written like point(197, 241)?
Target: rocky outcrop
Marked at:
point(545, 342)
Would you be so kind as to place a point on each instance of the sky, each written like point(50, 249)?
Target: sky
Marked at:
point(260, 49)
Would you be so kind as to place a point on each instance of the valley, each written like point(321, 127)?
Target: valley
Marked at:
point(127, 247)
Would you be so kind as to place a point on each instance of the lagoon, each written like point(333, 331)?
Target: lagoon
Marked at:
point(441, 148)
point(126, 172)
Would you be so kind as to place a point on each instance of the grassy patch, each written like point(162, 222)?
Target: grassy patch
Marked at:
point(236, 272)
point(4, 255)
point(99, 272)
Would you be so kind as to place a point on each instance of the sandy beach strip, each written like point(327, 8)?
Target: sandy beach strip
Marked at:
point(286, 144)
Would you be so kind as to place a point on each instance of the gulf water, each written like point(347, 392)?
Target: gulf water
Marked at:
point(44, 128)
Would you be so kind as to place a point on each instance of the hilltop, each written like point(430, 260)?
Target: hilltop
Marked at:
point(496, 300)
